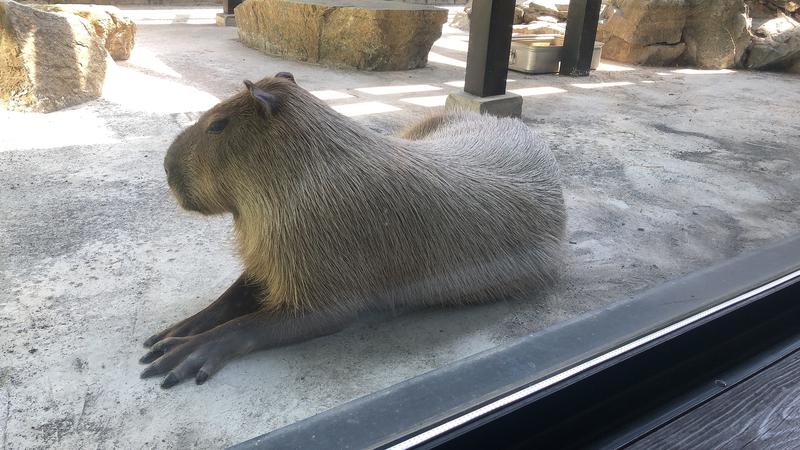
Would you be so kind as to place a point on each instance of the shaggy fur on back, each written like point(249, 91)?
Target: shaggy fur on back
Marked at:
point(330, 215)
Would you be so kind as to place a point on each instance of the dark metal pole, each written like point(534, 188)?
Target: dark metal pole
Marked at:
point(489, 47)
point(228, 5)
point(576, 56)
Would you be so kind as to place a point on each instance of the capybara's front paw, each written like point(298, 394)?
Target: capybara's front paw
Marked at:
point(182, 358)
point(214, 315)
point(187, 327)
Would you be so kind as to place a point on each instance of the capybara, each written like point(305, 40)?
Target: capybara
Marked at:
point(333, 219)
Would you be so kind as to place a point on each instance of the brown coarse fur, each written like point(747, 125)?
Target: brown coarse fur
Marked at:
point(331, 216)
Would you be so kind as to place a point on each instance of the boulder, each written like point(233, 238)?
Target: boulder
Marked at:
point(519, 13)
point(644, 22)
point(786, 5)
point(651, 55)
point(461, 18)
point(115, 29)
point(643, 31)
point(360, 34)
point(701, 33)
point(48, 61)
point(776, 26)
point(535, 8)
point(460, 21)
point(780, 52)
point(539, 28)
point(758, 11)
point(767, 8)
point(716, 33)
point(549, 19)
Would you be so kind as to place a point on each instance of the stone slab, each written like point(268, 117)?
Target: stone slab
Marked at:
point(506, 105)
point(360, 34)
point(226, 20)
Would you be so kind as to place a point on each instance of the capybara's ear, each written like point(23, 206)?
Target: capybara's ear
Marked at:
point(286, 75)
point(267, 103)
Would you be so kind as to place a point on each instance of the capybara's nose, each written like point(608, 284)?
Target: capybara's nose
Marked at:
point(168, 162)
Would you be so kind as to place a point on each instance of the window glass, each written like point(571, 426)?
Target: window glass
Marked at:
point(331, 210)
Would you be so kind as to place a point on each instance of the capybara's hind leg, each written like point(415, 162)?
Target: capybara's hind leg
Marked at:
point(201, 355)
point(243, 297)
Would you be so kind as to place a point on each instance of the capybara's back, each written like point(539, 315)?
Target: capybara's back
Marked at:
point(470, 210)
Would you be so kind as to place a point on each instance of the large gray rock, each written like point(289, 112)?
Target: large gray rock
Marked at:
point(775, 26)
point(526, 12)
point(48, 61)
point(780, 52)
point(460, 21)
point(716, 33)
point(702, 33)
point(759, 11)
point(360, 34)
point(786, 5)
point(115, 29)
point(519, 13)
point(643, 31)
point(535, 8)
point(461, 18)
point(645, 22)
point(616, 49)
point(540, 28)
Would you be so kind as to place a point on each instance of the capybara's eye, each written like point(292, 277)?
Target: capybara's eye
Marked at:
point(217, 126)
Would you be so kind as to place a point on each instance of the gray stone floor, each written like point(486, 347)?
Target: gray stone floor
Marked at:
point(666, 171)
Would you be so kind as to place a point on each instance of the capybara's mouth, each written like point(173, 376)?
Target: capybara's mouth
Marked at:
point(176, 190)
point(186, 203)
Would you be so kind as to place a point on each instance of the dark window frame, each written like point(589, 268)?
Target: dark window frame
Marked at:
point(740, 297)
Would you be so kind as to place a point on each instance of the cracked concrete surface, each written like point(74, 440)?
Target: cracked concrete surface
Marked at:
point(666, 171)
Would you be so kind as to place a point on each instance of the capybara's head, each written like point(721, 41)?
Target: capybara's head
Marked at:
point(221, 157)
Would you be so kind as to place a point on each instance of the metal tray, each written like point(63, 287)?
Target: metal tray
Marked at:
point(542, 53)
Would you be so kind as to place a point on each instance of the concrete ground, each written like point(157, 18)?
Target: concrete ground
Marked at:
point(666, 171)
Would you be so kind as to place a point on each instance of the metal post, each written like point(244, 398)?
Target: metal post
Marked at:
point(576, 56)
point(489, 47)
point(228, 5)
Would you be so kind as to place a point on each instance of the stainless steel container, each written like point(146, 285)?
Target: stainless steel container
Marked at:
point(542, 53)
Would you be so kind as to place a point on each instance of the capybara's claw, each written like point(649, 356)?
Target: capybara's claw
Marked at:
point(196, 357)
point(169, 381)
point(150, 357)
point(153, 339)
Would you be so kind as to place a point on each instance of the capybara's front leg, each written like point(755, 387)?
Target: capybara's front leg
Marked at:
point(243, 297)
point(201, 355)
